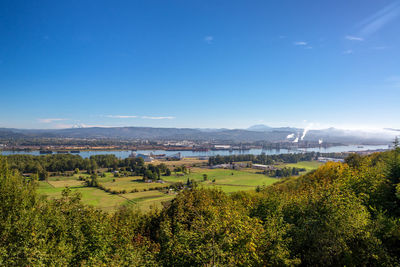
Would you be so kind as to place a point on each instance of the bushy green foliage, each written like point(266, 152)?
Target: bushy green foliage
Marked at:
point(208, 228)
point(35, 231)
point(263, 158)
point(61, 163)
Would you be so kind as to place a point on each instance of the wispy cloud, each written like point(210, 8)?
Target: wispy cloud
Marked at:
point(158, 118)
point(83, 125)
point(122, 116)
point(354, 38)
point(378, 20)
point(394, 81)
point(379, 47)
point(348, 51)
point(209, 39)
point(140, 117)
point(51, 120)
point(300, 43)
point(63, 126)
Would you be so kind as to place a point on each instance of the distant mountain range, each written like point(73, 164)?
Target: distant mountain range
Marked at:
point(253, 133)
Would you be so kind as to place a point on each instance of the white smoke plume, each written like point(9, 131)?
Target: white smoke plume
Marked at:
point(296, 140)
point(290, 136)
point(320, 141)
point(305, 132)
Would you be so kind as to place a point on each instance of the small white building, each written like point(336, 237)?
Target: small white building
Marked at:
point(262, 167)
point(324, 159)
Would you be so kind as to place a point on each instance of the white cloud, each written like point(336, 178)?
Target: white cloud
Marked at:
point(300, 43)
point(63, 126)
point(209, 39)
point(158, 118)
point(354, 38)
point(348, 51)
point(122, 116)
point(140, 117)
point(51, 120)
point(379, 48)
point(81, 125)
point(290, 136)
point(378, 20)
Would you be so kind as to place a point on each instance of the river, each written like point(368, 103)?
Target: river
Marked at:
point(126, 153)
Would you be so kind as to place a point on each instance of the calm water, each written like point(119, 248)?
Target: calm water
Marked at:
point(125, 153)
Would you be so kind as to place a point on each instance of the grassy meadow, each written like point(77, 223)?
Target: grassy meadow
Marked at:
point(144, 195)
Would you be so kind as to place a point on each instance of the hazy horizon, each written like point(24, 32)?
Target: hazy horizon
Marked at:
point(309, 127)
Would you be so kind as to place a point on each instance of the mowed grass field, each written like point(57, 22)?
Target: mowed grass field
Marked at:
point(90, 195)
point(107, 201)
point(227, 180)
point(129, 183)
point(308, 165)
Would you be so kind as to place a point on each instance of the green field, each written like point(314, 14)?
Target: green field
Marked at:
point(308, 165)
point(130, 183)
point(227, 180)
point(90, 195)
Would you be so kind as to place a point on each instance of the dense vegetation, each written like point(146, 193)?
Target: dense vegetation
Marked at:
point(341, 214)
point(42, 165)
point(271, 159)
point(284, 172)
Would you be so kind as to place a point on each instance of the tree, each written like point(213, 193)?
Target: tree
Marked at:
point(353, 160)
point(43, 175)
point(148, 174)
point(217, 233)
point(92, 181)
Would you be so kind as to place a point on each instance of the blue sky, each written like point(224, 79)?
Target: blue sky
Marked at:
point(203, 64)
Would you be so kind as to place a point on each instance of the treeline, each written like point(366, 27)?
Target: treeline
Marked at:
point(271, 159)
point(284, 172)
point(343, 214)
point(60, 163)
point(263, 158)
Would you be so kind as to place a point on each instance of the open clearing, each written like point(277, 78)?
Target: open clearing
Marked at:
point(308, 165)
point(147, 197)
point(129, 183)
point(229, 180)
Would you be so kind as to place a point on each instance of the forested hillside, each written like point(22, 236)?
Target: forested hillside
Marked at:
point(341, 214)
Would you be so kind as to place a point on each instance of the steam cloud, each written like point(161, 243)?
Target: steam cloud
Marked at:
point(304, 133)
point(290, 136)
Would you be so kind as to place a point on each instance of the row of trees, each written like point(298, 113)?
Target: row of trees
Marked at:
point(263, 158)
point(271, 159)
point(284, 172)
point(42, 165)
point(341, 214)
